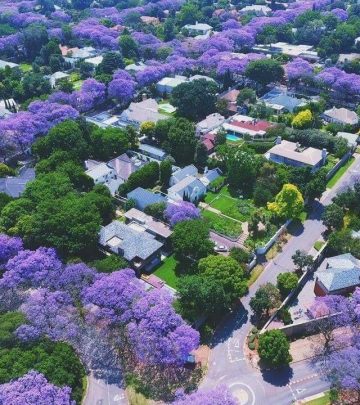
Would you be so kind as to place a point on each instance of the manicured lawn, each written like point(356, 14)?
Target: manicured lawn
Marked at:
point(167, 271)
point(331, 183)
point(222, 225)
point(325, 400)
point(25, 67)
point(255, 274)
point(237, 208)
point(319, 244)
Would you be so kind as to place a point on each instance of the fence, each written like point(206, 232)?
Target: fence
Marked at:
point(302, 281)
point(263, 249)
point(340, 163)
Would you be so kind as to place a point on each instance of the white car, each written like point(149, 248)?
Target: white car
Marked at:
point(220, 248)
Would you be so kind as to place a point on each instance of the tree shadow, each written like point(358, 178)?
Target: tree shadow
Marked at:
point(232, 322)
point(296, 228)
point(278, 377)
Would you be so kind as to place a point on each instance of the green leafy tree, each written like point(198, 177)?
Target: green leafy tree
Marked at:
point(246, 95)
point(35, 85)
point(181, 141)
point(227, 272)
point(267, 297)
point(195, 100)
point(201, 155)
point(333, 216)
point(165, 172)
point(286, 282)
point(146, 177)
point(129, 47)
point(109, 264)
point(240, 255)
point(35, 36)
point(156, 210)
point(265, 71)
point(110, 62)
point(289, 203)
point(108, 143)
point(317, 185)
point(303, 119)
point(190, 241)
point(6, 170)
point(9, 322)
point(302, 260)
point(274, 348)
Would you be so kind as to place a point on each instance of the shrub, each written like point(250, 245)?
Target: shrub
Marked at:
point(251, 345)
point(251, 338)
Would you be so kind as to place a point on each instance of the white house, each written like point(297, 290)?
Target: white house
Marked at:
point(341, 116)
point(198, 29)
point(168, 84)
point(57, 77)
point(258, 10)
point(101, 173)
point(210, 123)
point(180, 174)
point(190, 188)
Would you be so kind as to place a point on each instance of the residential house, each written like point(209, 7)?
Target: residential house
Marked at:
point(15, 186)
point(57, 77)
point(208, 124)
point(5, 63)
point(104, 119)
point(230, 97)
point(189, 188)
point(201, 77)
point(347, 57)
point(144, 198)
point(166, 85)
point(113, 173)
point(241, 125)
point(258, 10)
point(338, 275)
point(208, 140)
point(148, 20)
point(152, 153)
point(95, 60)
point(351, 139)
point(210, 175)
point(292, 154)
point(280, 101)
point(132, 242)
point(341, 116)
point(292, 50)
point(159, 229)
point(180, 174)
point(73, 55)
point(198, 29)
point(137, 113)
point(135, 67)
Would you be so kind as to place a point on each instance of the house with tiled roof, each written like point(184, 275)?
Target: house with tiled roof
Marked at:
point(131, 241)
point(241, 125)
point(341, 116)
point(230, 97)
point(144, 198)
point(338, 275)
point(208, 140)
point(14, 186)
point(208, 124)
point(189, 188)
point(180, 174)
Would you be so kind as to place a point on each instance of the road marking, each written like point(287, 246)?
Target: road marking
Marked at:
point(309, 377)
point(292, 392)
point(243, 391)
point(300, 390)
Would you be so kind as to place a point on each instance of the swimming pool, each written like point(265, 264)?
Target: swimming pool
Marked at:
point(232, 138)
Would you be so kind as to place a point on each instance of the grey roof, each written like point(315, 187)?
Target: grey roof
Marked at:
point(130, 243)
point(4, 63)
point(15, 186)
point(125, 165)
point(143, 198)
point(213, 174)
point(189, 181)
point(341, 272)
point(352, 139)
point(186, 171)
point(152, 150)
point(151, 224)
point(288, 102)
point(113, 185)
point(100, 170)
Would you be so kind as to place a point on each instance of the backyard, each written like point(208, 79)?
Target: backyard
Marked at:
point(167, 273)
point(223, 225)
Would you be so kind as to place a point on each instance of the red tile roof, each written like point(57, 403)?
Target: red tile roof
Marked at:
point(252, 125)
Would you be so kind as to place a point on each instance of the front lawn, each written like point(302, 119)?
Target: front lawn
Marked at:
point(331, 183)
point(324, 400)
point(167, 273)
point(237, 208)
point(222, 225)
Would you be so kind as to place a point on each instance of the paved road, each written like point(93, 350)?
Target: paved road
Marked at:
point(100, 392)
point(227, 363)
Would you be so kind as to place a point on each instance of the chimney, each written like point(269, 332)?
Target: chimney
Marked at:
point(206, 170)
point(143, 96)
point(278, 140)
point(324, 155)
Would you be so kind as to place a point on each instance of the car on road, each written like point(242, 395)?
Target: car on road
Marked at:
point(221, 248)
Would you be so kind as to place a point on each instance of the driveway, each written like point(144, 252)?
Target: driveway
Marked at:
point(227, 362)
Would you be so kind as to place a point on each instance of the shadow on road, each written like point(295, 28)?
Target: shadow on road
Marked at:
point(278, 377)
point(232, 322)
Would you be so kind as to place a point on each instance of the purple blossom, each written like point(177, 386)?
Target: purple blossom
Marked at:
point(183, 211)
point(50, 314)
point(30, 268)
point(24, 19)
point(157, 333)
point(122, 74)
point(340, 14)
point(56, 33)
point(329, 76)
point(60, 97)
point(298, 69)
point(219, 395)
point(34, 389)
point(340, 81)
point(60, 16)
point(122, 90)
point(231, 25)
point(9, 247)
point(11, 42)
point(91, 29)
point(92, 94)
point(109, 300)
point(152, 74)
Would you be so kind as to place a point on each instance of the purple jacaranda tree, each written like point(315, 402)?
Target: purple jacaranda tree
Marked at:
point(157, 334)
point(298, 69)
point(91, 29)
point(152, 74)
point(340, 14)
point(56, 33)
point(60, 16)
point(231, 25)
point(339, 81)
point(51, 314)
point(34, 389)
point(219, 395)
point(22, 20)
point(60, 97)
point(72, 278)
point(240, 38)
point(109, 300)
point(329, 76)
point(30, 268)
point(92, 94)
point(9, 247)
point(122, 90)
point(183, 211)
point(11, 42)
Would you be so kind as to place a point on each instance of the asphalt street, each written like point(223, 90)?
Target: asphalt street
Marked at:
point(227, 362)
